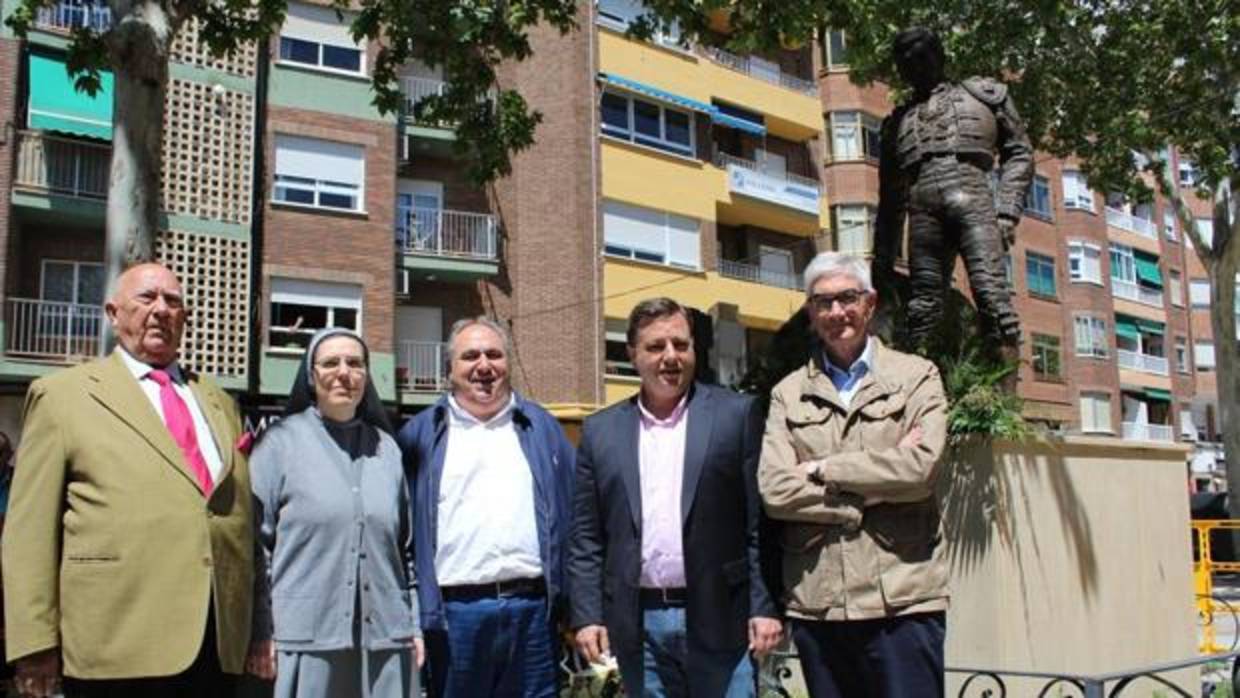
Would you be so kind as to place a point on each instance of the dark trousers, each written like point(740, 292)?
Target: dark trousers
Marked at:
point(203, 679)
point(494, 648)
point(900, 657)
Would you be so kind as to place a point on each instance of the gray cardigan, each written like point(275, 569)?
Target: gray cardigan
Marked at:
point(336, 537)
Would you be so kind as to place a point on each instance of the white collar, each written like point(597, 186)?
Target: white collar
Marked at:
point(463, 415)
point(140, 369)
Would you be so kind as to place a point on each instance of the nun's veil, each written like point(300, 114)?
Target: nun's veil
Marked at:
point(302, 396)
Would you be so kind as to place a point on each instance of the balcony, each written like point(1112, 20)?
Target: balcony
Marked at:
point(417, 89)
point(421, 367)
point(754, 273)
point(782, 188)
point(1129, 290)
point(66, 16)
point(1145, 363)
point(767, 71)
point(62, 166)
point(1136, 431)
point(443, 233)
point(53, 332)
point(1126, 221)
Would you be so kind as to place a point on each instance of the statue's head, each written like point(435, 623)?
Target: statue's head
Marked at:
point(918, 54)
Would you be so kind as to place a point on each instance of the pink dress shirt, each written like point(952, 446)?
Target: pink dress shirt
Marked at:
point(661, 455)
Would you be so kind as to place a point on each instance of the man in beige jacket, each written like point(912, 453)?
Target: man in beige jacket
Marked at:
point(852, 448)
point(128, 550)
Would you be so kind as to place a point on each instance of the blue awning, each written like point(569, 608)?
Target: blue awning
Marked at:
point(56, 105)
point(661, 95)
point(716, 115)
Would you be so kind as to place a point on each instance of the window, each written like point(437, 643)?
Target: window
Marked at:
point(1181, 355)
point(647, 123)
point(314, 36)
point(1123, 264)
point(619, 14)
point(1038, 200)
point(1203, 356)
point(1091, 336)
point(72, 295)
point(1040, 274)
point(1169, 222)
point(1046, 358)
point(835, 50)
point(72, 282)
point(854, 135)
point(617, 362)
point(1199, 293)
point(650, 236)
point(1188, 173)
point(323, 174)
point(1205, 228)
point(1007, 269)
point(1085, 262)
point(300, 307)
point(1096, 413)
point(1076, 192)
point(854, 226)
point(1176, 285)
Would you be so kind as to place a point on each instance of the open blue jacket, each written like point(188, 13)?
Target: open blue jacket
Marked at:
point(424, 441)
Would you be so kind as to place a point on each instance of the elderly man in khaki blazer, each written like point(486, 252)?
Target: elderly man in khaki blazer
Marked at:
point(128, 550)
point(849, 461)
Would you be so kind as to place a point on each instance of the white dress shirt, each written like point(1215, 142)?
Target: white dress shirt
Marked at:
point(487, 527)
point(202, 430)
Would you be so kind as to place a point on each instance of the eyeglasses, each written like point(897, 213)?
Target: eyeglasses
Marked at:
point(823, 302)
point(355, 364)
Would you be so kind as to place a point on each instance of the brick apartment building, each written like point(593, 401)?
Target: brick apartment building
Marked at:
point(291, 204)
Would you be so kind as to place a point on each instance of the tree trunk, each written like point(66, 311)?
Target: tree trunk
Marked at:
point(139, 45)
point(1223, 313)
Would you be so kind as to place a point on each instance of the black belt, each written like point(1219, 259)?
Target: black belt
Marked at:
point(530, 587)
point(673, 596)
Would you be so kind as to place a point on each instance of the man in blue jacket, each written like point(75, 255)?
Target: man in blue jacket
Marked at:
point(492, 478)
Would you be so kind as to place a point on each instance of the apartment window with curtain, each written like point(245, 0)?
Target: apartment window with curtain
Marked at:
point(647, 123)
point(1040, 274)
point(300, 307)
point(854, 136)
point(1038, 200)
point(1181, 355)
point(1091, 336)
point(1203, 356)
point(1175, 286)
point(854, 228)
point(1096, 413)
point(649, 235)
point(1199, 293)
point(1076, 192)
point(319, 173)
point(835, 50)
point(1047, 361)
point(1084, 262)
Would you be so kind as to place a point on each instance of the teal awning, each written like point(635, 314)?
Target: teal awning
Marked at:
point(1147, 268)
point(1127, 328)
point(56, 105)
point(1150, 327)
point(1158, 394)
point(715, 114)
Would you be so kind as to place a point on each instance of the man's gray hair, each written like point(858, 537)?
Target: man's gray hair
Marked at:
point(835, 263)
point(465, 323)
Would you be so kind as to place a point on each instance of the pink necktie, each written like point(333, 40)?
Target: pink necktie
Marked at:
point(181, 425)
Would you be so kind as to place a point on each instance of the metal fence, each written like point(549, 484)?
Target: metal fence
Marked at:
point(444, 233)
point(53, 331)
point(767, 71)
point(62, 166)
point(421, 367)
point(70, 15)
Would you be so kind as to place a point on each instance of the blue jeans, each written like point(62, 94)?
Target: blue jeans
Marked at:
point(666, 656)
point(501, 648)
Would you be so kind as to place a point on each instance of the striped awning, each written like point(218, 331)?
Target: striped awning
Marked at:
point(716, 115)
point(1126, 327)
point(1158, 394)
point(1147, 268)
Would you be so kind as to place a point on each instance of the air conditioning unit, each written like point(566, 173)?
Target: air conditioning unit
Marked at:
point(402, 282)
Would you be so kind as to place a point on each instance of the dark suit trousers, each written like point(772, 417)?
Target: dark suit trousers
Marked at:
point(900, 657)
point(203, 679)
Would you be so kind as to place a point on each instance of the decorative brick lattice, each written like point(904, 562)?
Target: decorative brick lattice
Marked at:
point(186, 48)
point(207, 153)
point(215, 273)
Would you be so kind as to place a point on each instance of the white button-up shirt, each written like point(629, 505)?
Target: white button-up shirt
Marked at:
point(487, 526)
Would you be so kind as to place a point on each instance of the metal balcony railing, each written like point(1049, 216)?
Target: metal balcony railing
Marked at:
point(752, 272)
point(416, 89)
point(723, 160)
point(62, 166)
point(75, 14)
point(762, 70)
point(53, 331)
point(1136, 431)
point(1129, 290)
point(1145, 363)
point(443, 233)
point(421, 367)
point(1126, 221)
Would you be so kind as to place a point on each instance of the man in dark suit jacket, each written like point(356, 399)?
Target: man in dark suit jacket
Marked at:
point(664, 564)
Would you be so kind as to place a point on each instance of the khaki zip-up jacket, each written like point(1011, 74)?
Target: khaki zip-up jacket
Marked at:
point(861, 532)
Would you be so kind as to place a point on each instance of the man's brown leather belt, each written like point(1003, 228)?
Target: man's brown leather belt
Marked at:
point(531, 587)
